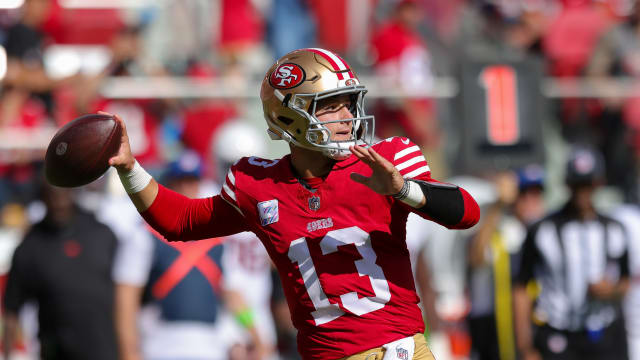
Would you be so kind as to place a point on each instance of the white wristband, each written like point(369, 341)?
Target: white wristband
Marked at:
point(135, 179)
point(414, 195)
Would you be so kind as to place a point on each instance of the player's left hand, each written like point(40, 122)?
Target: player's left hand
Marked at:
point(385, 179)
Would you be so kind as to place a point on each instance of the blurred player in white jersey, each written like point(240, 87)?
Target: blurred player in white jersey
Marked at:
point(246, 264)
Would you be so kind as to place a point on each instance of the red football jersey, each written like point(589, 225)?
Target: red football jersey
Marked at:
point(339, 248)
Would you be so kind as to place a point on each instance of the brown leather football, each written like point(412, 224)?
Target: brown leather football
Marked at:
point(79, 152)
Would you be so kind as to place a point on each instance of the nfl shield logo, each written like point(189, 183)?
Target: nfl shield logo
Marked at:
point(268, 211)
point(314, 203)
point(402, 353)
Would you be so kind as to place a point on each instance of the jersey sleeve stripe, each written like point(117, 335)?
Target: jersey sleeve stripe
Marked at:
point(410, 162)
point(229, 190)
point(230, 193)
point(416, 172)
point(231, 178)
point(406, 152)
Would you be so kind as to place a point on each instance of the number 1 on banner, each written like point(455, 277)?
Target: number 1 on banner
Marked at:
point(500, 84)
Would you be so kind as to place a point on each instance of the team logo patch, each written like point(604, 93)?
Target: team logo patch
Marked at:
point(314, 203)
point(287, 76)
point(350, 82)
point(268, 211)
point(402, 353)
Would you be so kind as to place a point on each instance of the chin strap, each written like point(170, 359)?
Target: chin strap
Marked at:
point(339, 154)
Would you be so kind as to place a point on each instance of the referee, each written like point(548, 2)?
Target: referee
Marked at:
point(578, 257)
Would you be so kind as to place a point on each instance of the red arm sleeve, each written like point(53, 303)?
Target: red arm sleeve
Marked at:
point(471, 212)
point(179, 218)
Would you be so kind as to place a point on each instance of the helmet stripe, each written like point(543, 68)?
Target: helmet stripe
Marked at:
point(337, 63)
point(351, 76)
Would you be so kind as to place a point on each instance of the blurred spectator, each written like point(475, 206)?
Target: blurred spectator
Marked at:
point(579, 258)
point(18, 178)
point(26, 86)
point(571, 36)
point(240, 36)
point(492, 254)
point(629, 215)
point(191, 23)
point(144, 116)
point(402, 60)
point(176, 289)
point(492, 31)
point(616, 125)
point(25, 75)
point(201, 119)
point(345, 24)
point(568, 42)
point(30, 93)
point(290, 26)
point(64, 264)
point(445, 16)
point(85, 26)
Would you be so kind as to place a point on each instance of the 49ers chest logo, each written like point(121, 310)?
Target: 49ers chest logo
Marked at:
point(287, 76)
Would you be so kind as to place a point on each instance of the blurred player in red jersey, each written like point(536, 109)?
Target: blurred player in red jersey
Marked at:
point(331, 214)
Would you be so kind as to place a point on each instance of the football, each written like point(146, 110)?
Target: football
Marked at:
point(79, 152)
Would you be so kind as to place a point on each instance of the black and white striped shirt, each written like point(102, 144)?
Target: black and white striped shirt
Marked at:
point(565, 255)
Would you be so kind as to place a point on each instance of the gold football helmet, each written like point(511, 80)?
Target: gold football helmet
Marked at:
point(291, 89)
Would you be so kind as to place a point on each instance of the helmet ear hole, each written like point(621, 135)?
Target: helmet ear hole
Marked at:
point(287, 121)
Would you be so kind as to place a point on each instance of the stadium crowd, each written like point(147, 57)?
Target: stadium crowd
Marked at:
point(531, 105)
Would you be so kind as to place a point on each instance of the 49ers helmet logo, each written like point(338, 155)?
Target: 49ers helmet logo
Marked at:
point(287, 76)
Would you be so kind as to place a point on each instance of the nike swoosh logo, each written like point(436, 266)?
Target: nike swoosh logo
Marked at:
point(405, 141)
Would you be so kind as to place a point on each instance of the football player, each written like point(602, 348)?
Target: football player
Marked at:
point(331, 214)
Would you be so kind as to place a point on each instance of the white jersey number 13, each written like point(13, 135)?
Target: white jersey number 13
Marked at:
point(326, 311)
